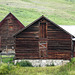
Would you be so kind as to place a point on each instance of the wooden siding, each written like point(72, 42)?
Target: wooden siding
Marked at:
point(26, 45)
point(74, 48)
point(8, 27)
point(27, 48)
point(59, 43)
point(57, 40)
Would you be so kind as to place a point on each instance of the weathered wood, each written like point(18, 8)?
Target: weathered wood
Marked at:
point(74, 48)
point(59, 55)
point(31, 42)
point(9, 26)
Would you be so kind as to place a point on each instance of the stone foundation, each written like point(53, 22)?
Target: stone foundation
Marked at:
point(43, 63)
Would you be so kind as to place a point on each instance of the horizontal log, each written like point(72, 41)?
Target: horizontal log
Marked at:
point(27, 51)
point(18, 57)
point(58, 50)
point(26, 39)
point(30, 36)
point(48, 29)
point(49, 48)
point(27, 54)
point(29, 32)
point(55, 31)
point(59, 55)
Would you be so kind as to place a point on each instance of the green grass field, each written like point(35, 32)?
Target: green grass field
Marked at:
point(62, 12)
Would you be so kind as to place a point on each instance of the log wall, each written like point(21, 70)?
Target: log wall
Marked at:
point(74, 48)
point(58, 42)
point(26, 45)
point(8, 27)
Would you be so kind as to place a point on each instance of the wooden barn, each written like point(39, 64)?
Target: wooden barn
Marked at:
point(43, 39)
point(9, 26)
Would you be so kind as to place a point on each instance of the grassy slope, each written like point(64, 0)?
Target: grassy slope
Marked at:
point(59, 11)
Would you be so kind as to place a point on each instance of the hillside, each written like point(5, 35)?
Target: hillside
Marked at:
point(60, 11)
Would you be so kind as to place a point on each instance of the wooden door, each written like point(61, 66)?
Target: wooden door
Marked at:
point(43, 29)
point(43, 49)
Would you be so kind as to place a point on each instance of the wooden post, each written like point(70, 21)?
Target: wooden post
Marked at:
point(0, 58)
point(6, 49)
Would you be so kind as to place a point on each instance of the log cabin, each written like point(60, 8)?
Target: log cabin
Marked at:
point(8, 26)
point(43, 39)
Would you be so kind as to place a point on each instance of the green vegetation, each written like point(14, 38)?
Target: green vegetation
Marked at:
point(5, 69)
point(4, 60)
point(9, 69)
point(70, 0)
point(7, 58)
point(24, 64)
point(60, 11)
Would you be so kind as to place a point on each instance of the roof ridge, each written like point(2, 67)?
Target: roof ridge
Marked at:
point(39, 19)
point(14, 17)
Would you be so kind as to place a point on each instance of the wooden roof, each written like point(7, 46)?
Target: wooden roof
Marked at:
point(14, 18)
point(36, 21)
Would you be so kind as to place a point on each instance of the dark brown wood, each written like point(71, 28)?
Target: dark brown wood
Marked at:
point(43, 30)
point(9, 26)
point(74, 48)
point(57, 42)
point(42, 49)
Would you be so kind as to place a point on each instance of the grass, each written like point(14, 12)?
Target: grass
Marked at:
point(62, 12)
point(4, 60)
point(37, 70)
point(68, 69)
point(7, 58)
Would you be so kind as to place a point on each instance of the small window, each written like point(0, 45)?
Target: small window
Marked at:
point(11, 28)
point(42, 30)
